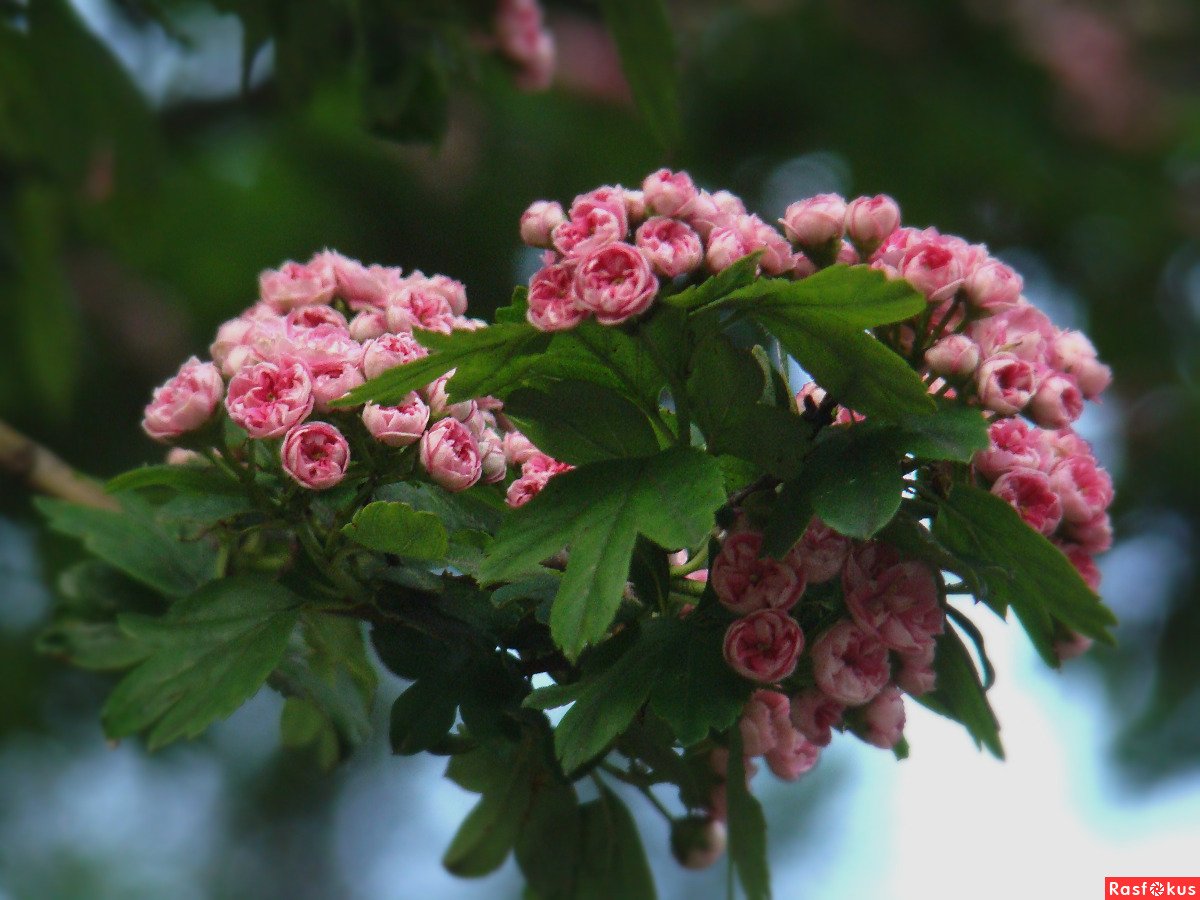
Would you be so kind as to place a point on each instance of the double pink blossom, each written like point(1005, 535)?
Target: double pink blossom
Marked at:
point(595, 219)
point(315, 455)
point(953, 356)
point(883, 719)
point(745, 581)
point(450, 455)
point(870, 220)
point(850, 665)
point(185, 402)
point(815, 715)
point(1084, 488)
point(668, 193)
point(536, 471)
point(615, 282)
point(993, 286)
point(815, 221)
point(1005, 383)
point(1072, 353)
point(398, 425)
point(269, 398)
point(552, 305)
point(390, 350)
point(297, 284)
point(916, 674)
point(672, 247)
point(1012, 444)
point(1030, 493)
point(895, 601)
point(819, 554)
point(764, 645)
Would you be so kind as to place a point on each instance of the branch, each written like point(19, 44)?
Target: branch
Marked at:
point(46, 473)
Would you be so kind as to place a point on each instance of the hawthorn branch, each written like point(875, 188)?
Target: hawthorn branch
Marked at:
point(44, 472)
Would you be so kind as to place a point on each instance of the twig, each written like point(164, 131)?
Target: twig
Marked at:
point(46, 473)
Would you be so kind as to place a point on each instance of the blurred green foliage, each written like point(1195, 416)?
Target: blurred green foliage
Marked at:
point(134, 219)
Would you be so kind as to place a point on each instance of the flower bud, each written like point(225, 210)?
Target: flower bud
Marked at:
point(697, 841)
point(815, 221)
point(539, 221)
point(184, 402)
point(399, 425)
point(315, 455)
point(870, 220)
point(450, 455)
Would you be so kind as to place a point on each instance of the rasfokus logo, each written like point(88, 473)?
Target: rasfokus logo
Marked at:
point(1152, 887)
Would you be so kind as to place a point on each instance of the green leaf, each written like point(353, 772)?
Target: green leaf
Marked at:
point(1021, 568)
point(605, 356)
point(467, 511)
point(486, 361)
point(719, 286)
point(100, 646)
point(599, 510)
point(135, 544)
point(486, 836)
point(954, 432)
point(550, 844)
point(747, 827)
point(390, 527)
point(333, 681)
point(184, 479)
point(209, 654)
point(695, 691)
point(721, 389)
point(423, 715)
point(517, 308)
point(675, 665)
point(851, 480)
point(580, 422)
point(613, 862)
point(646, 44)
point(856, 296)
point(960, 695)
point(855, 368)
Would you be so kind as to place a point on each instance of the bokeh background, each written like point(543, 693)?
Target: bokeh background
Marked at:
point(147, 175)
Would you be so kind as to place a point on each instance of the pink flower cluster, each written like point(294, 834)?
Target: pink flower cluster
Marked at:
point(524, 40)
point(608, 254)
point(1052, 479)
point(292, 354)
point(859, 664)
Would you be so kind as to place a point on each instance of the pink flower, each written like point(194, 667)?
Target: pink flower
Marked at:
point(883, 719)
point(1005, 383)
point(992, 287)
point(849, 665)
point(1072, 645)
point(524, 40)
point(635, 205)
point(668, 193)
point(362, 287)
point(870, 220)
point(1084, 488)
point(518, 448)
point(294, 284)
point(420, 304)
point(318, 344)
point(536, 472)
point(1093, 536)
point(673, 248)
point(741, 235)
point(1013, 444)
point(368, 324)
point(616, 283)
point(1023, 331)
point(596, 219)
point(934, 265)
point(895, 601)
point(815, 221)
point(917, 675)
point(539, 221)
point(399, 425)
point(764, 645)
point(1057, 402)
point(303, 318)
point(819, 554)
point(954, 356)
point(1029, 492)
point(185, 402)
point(745, 582)
point(764, 723)
point(793, 756)
point(1074, 354)
point(332, 381)
point(269, 398)
point(815, 714)
point(1083, 561)
point(390, 350)
point(451, 456)
point(315, 455)
point(552, 305)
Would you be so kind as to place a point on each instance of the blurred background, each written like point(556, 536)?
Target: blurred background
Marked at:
point(154, 156)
